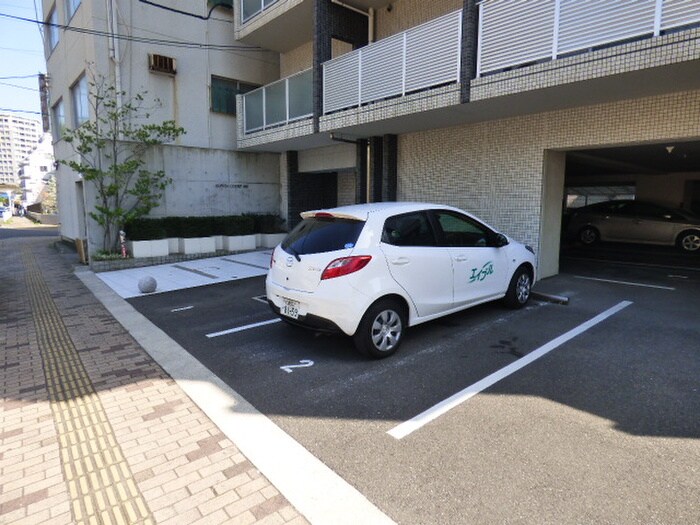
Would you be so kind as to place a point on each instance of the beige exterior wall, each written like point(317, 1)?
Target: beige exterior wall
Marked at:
point(406, 14)
point(297, 60)
point(495, 168)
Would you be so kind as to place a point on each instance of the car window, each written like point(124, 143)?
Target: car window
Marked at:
point(459, 230)
point(652, 211)
point(409, 229)
point(318, 235)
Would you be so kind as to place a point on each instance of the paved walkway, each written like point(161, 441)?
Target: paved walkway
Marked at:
point(92, 429)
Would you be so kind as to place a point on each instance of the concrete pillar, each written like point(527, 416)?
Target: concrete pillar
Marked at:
point(550, 224)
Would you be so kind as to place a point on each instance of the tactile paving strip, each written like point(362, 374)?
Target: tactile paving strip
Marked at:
point(101, 486)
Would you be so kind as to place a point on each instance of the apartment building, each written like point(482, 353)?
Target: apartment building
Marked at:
point(495, 106)
point(185, 55)
point(18, 137)
point(36, 170)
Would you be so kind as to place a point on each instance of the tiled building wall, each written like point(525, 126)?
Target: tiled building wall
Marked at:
point(495, 168)
point(346, 187)
point(406, 14)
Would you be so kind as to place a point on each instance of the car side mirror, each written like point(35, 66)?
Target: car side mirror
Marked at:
point(500, 240)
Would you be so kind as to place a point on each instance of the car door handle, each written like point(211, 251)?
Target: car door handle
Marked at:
point(400, 261)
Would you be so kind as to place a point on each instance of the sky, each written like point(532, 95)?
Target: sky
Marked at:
point(21, 55)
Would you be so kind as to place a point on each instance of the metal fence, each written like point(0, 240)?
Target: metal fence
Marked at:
point(518, 32)
point(425, 56)
point(279, 103)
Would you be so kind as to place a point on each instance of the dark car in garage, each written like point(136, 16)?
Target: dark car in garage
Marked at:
point(635, 221)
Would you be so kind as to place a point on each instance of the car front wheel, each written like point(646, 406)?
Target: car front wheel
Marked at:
point(588, 235)
point(689, 241)
point(519, 288)
point(381, 330)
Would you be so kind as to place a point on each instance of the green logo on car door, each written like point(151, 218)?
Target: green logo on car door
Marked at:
point(481, 274)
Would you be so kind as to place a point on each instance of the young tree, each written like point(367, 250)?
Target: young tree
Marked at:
point(111, 146)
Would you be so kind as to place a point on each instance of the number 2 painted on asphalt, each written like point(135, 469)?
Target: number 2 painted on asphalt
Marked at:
point(304, 363)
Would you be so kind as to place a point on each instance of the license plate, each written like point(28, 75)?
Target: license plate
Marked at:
point(290, 308)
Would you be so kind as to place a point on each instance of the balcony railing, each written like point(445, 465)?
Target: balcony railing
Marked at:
point(250, 8)
point(279, 103)
point(517, 33)
point(425, 56)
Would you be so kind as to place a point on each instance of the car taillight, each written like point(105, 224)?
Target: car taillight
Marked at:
point(345, 266)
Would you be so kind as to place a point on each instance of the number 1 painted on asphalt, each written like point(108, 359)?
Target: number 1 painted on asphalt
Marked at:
point(304, 363)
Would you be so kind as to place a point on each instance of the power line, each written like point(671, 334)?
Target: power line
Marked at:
point(20, 111)
point(19, 76)
point(18, 87)
point(143, 40)
point(187, 13)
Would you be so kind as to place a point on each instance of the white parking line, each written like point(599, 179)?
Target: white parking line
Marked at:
point(242, 328)
point(422, 419)
point(182, 309)
point(624, 282)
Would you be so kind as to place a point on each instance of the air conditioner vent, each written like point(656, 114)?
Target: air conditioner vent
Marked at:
point(161, 64)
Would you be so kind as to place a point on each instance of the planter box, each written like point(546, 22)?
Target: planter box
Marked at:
point(270, 240)
point(173, 245)
point(239, 243)
point(197, 245)
point(218, 242)
point(153, 248)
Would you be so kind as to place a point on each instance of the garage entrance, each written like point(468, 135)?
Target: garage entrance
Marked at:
point(652, 191)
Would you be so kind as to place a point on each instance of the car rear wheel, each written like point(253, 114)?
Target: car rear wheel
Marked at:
point(381, 330)
point(689, 241)
point(588, 235)
point(519, 289)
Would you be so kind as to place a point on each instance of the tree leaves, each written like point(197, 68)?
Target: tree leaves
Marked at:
point(110, 150)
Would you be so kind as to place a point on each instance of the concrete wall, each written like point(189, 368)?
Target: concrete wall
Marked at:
point(209, 176)
point(496, 168)
point(665, 189)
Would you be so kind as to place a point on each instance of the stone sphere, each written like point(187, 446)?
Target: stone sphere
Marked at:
point(147, 284)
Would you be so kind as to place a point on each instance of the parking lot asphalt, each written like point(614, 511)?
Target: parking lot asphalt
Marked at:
point(602, 428)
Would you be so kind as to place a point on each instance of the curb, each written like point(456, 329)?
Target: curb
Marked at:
point(550, 298)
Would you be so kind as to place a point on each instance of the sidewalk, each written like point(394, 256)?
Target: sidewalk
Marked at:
point(92, 429)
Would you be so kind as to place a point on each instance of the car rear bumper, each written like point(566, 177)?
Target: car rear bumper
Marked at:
point(332, 309)
point(309, 321)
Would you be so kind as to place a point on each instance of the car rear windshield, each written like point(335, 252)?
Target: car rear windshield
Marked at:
point(318, 235)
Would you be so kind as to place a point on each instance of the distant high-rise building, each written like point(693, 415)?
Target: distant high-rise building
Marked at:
point(18, 137)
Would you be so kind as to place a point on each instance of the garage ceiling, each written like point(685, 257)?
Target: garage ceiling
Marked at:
point(649, 159)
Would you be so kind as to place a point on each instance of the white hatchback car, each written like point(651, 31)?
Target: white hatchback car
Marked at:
point(372, 270)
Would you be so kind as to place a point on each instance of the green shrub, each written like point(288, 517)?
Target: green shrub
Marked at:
point(238, 225)
point(148, 228)
point(267, 223)
point(145, 230)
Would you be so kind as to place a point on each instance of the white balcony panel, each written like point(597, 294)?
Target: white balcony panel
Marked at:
point(678, 13)
point(382, 69)
point(596, 22)
point(432, 52)
point(279, 103)
point(301, 98)
point(515, 33)
point(424, 56)
point(254, 110)
point(276, 103)
point(341, 82)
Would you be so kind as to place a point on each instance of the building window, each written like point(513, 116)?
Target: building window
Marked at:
point(71, 8)
point(59, 120)
point(223, 94)
point(53, 29)
point(79, 98)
